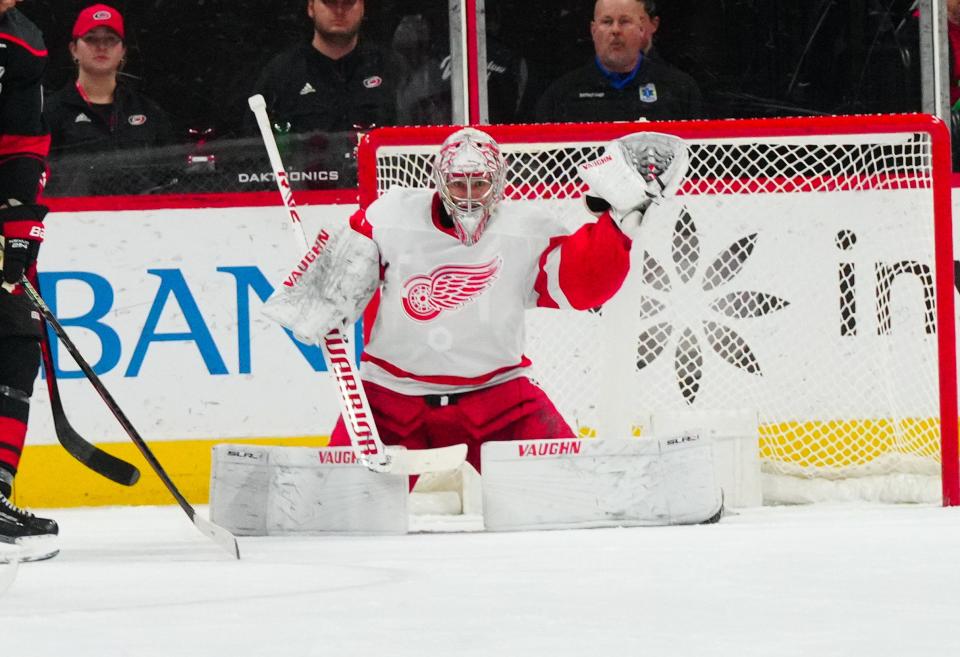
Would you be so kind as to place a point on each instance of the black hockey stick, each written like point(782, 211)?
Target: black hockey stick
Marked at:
point(101, 462)
point(218, 534)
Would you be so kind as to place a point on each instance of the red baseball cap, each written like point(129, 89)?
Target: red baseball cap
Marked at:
point(98, 16)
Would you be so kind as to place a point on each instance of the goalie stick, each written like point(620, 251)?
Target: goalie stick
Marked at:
point(358, 418)
point(218, 534)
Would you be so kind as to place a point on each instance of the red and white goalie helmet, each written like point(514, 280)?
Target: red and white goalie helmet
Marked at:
point(470, 175)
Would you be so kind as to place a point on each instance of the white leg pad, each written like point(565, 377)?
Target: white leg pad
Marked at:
point(275, 491)
point(736, 448)
point(560, 484)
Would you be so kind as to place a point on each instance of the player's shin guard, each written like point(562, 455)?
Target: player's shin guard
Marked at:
point(14, 411)
point(33, 535)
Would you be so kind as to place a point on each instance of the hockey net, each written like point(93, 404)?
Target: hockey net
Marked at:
point(797, 275)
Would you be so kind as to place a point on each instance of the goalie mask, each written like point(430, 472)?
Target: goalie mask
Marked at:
point(470, 173)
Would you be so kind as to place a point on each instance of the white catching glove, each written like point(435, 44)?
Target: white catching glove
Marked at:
point(634, 171)
point(334, 290)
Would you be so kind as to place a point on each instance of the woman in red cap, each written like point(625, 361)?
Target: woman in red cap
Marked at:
point(102, 111)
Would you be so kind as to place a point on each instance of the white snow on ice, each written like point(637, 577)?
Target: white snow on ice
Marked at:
point(825, 581)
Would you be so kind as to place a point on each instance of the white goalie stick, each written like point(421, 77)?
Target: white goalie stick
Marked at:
point(358, 418)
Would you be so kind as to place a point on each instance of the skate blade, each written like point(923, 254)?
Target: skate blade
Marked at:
point(38, 548)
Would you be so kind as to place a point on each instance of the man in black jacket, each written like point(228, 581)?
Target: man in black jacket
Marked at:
point(626, 81)
point(23, 148)
point(331, 88)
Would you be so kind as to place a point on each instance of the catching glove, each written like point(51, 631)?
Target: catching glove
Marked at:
point(634, 171)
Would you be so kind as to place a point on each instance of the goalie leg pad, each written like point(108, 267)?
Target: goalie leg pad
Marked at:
point(279, 491)
point(566, 484)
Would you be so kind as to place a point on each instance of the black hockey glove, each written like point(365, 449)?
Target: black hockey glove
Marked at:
point(22, 230)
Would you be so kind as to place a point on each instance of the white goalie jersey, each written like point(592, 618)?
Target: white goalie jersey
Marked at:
point(451, 317)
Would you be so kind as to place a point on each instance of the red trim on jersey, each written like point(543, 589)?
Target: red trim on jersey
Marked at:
point(26, 46)
point(33, 145)
point(28, 230)
point(594, 262)
point(436, 215)
point(358, 222)
point(544, 300)
point(442, 379)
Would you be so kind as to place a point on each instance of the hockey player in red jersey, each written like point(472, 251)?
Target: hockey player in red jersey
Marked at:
point(457, 267)
point(24, 143)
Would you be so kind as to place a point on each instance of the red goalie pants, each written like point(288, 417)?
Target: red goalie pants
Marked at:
point(514, 410)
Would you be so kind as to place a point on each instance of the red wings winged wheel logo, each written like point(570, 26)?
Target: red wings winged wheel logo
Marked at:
point(448, 287)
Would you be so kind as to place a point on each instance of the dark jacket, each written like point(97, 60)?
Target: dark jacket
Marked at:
point(107, 149)
point(23, 133)
point(23, 148)
point(658, 92)
point(134, 121)
point(311, 92)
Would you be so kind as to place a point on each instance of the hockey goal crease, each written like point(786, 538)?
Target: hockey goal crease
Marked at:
point(803, 273)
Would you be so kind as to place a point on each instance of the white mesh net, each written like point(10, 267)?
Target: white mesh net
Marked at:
point(793, 275)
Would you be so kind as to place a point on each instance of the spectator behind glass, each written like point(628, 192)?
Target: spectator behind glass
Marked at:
point(101, 112)
point(337, 83)
point(623, 83)
point(424, 96)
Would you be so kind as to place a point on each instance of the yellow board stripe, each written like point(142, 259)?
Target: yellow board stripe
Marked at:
point(49, 477)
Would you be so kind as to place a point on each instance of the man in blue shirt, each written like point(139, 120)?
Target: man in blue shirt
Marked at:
point(625, 82)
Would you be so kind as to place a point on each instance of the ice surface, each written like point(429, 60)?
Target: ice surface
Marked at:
point(823, 581)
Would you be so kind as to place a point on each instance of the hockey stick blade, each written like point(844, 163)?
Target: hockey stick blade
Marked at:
point(218, 534)
point(101, 462)
point(420, 461)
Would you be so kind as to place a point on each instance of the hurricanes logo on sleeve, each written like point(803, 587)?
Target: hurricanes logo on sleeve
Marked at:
point(448, 287)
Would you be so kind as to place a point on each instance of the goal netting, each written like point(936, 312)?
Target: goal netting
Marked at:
point(795, 276)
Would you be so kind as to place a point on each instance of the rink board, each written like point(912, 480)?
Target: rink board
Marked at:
point(164, 303)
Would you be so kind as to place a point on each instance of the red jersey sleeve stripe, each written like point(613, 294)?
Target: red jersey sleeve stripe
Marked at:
point(358, 222)
point(36, 52)
point(36, 145)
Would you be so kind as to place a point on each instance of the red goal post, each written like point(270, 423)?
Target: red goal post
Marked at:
point(804, 272)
